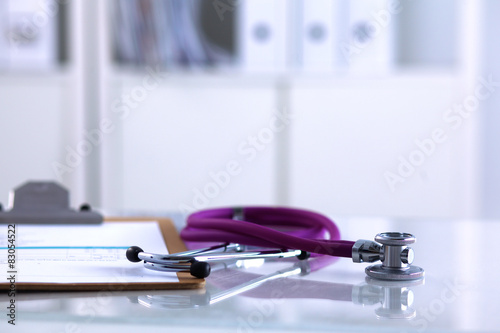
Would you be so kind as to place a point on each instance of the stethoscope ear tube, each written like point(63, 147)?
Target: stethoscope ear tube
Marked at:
point(197, 262)
point(197, 269)
point(133, 253)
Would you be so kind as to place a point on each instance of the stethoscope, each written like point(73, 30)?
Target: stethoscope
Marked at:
point(282, 233)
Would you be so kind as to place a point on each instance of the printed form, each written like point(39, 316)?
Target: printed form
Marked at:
point(83, 253)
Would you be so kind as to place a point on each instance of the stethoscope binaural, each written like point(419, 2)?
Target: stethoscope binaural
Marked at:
point(281, 232)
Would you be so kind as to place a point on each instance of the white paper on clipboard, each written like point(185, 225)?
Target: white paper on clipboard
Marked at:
point(83, 253)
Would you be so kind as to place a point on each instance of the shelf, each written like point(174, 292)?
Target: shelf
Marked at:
point(238, 77)
point(63, 74)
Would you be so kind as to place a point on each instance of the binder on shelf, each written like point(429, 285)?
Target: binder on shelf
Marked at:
point(370, 44)
point(262, 35)
point(30, 34)
point(322, 23)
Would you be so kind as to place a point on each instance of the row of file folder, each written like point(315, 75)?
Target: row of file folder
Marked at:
point(266, 35)
point(318, 35)
point(269, 35)
point(29, 34)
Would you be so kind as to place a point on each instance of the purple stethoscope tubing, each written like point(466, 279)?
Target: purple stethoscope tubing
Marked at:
point(283, 232)
point(271, 227)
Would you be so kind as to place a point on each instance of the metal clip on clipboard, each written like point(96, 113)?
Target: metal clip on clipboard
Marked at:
point(45, 203)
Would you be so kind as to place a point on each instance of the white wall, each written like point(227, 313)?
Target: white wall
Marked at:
point(34, 125)
point(190, 144)
point(490, 115)
point(370, 147)
point(345, 134)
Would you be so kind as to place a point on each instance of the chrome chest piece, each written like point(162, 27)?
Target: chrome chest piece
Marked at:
point(392, 249)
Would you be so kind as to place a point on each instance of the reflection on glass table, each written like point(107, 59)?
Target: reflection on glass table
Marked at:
point(394, 297)
point(459, 293)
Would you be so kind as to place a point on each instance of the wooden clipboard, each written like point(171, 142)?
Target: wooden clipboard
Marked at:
point(174, 244)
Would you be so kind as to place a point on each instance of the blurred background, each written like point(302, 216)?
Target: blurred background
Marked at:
point(365, 107)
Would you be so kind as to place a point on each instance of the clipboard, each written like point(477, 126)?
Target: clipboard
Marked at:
point(173, 243)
